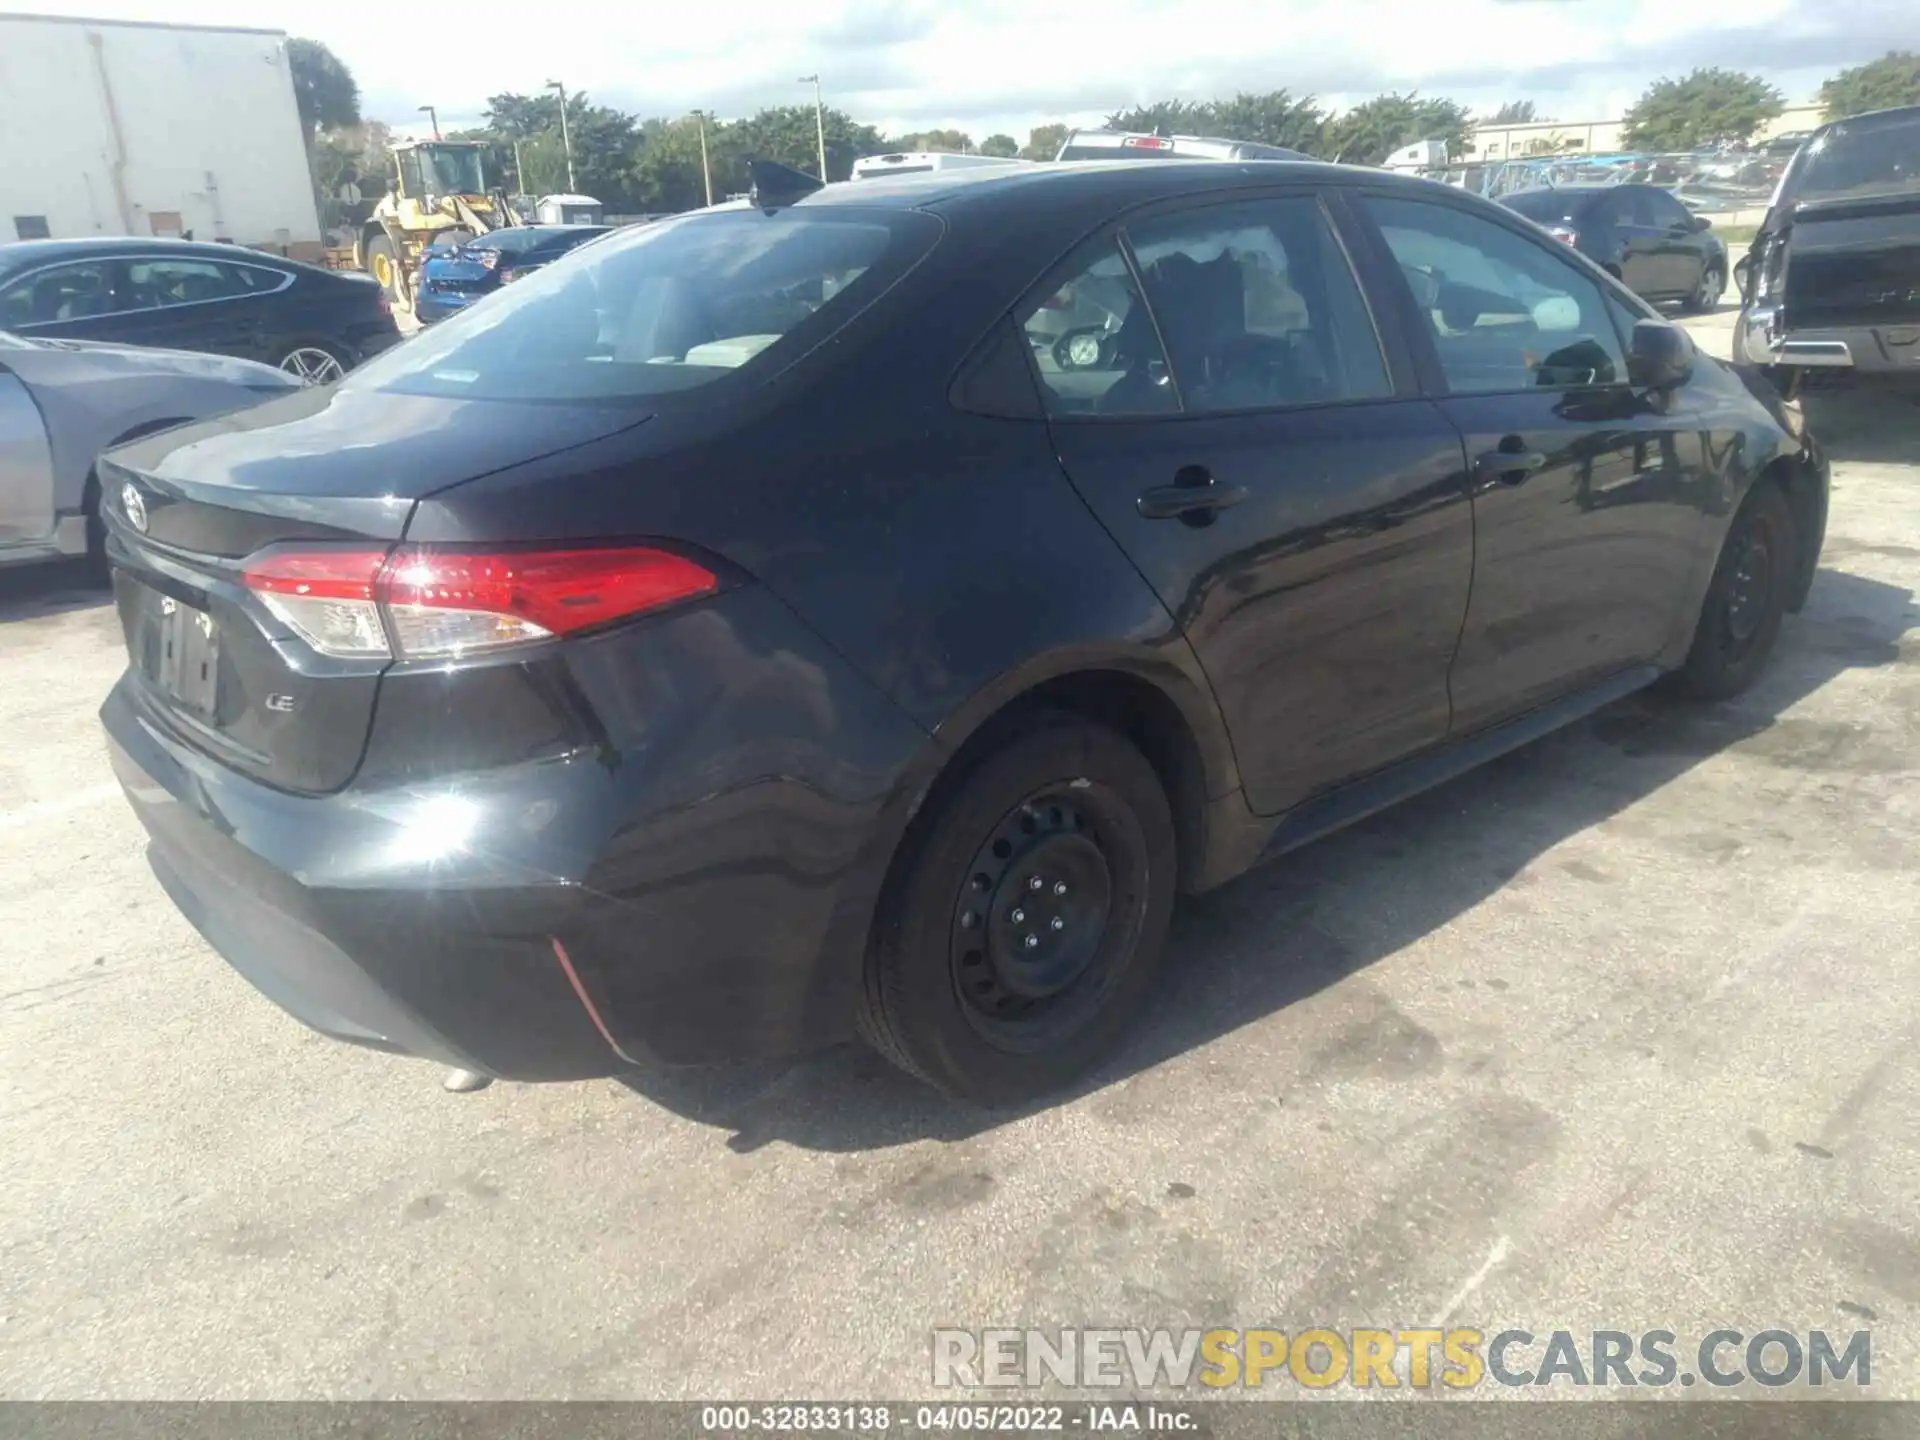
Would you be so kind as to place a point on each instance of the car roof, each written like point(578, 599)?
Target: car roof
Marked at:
point(1120, 182)
point(27, 254)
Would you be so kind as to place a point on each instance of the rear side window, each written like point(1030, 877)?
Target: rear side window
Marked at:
point(664, 308)
point(1505, 313)
point(1258, 307)
point(152, 284)
point(1249, 306)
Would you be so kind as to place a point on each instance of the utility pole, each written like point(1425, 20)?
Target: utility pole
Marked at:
point(434, 116)
point(706, 171)
point(566, 139)
point(819, 122)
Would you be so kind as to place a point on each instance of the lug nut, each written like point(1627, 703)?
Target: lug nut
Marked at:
point(1058, 923)
point(969, 920)
point(1032, 942)
point(1059, 887)
point(1018, 917)
point(1035, 883)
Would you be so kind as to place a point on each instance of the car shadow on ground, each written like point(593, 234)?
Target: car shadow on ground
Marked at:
point(1874, 425)
point(1265, 941)
point(28, 592)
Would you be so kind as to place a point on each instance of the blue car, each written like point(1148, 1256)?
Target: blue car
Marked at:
point(451, 282)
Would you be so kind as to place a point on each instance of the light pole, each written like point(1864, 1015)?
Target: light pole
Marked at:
point(706, 172)
point(819, 122)
point(434, 116)
point(566, 139)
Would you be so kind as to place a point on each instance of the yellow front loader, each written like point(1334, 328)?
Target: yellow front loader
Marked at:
point(438, 190)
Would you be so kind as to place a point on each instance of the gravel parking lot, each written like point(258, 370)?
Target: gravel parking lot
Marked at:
point(1618, 1033)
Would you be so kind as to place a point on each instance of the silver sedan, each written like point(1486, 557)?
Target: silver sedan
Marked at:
point(64, 401)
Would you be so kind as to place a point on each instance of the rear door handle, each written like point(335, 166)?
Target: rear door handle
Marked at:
point(1170, 502)
point(1508, 467)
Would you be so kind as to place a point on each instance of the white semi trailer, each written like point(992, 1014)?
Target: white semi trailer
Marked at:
point(113, 127)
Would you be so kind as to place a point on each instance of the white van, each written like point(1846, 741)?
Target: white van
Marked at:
point(920, 162)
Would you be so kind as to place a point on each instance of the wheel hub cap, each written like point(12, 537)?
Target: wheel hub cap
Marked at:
point(1033, 913)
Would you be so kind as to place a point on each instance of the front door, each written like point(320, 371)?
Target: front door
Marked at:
point(1241, 437)
point(1586, 518)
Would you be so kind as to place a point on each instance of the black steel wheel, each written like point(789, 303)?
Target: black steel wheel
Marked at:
point(1746, 601)
point(1026, 924)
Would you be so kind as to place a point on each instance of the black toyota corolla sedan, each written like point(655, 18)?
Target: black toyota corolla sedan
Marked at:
point(864, 614)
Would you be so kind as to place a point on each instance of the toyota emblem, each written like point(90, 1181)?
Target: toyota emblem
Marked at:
point(135, 507)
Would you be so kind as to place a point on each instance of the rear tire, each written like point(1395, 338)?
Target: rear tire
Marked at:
point(1746, 602)
point(313, 362)
point(998, 989)
point(1713, 285)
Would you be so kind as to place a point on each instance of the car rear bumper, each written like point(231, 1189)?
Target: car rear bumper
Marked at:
point(432, 305)
point(1763, 339)
point(698, 891)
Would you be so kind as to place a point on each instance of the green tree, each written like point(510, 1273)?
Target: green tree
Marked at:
point(604, 141)
point(1884, 84)
point(1044, 141)
point(1707, 107)
point(786, 134)
point(324, 90)
point(667, 175)
point(946, 142)
point(1273, 118)
point(1369, 133)
point(1003, 147)
point(1171, 117)
point(1515, 112)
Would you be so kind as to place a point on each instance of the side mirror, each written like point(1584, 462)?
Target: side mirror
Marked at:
point(1698, 223)
point(1660, 356)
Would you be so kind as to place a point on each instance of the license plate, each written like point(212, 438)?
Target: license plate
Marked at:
point(184, 654)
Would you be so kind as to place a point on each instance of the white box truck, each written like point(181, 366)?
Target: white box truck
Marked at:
point(114, 127)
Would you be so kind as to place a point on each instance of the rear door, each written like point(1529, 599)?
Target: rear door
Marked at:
point(1681, 246)
point(1246, 438)
point(1586, 494)
point(185, 303)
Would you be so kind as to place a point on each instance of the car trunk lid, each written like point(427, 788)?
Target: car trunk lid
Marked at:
point(323, 468)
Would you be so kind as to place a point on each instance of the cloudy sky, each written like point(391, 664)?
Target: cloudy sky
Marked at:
point(1006, 65)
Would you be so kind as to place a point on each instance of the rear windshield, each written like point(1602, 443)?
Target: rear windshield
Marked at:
point(517, 239)
point(663, 308)
point(1854, 161)
point(1543, 207)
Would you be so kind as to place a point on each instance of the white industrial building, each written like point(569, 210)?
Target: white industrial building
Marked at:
point(111, 127)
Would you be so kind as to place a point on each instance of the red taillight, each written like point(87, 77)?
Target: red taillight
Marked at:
point(1147, 142)
point(444, 603)
point(326, 595)
point(1564, 235)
